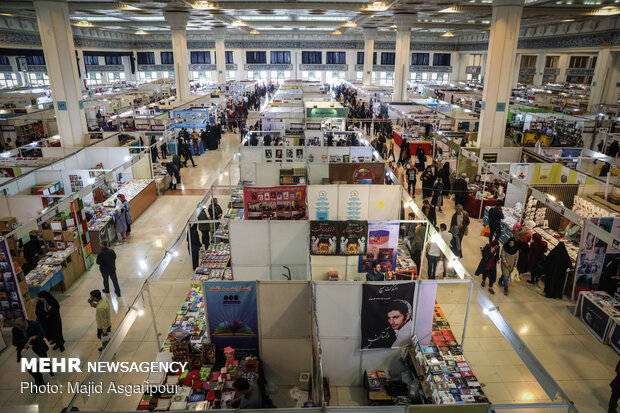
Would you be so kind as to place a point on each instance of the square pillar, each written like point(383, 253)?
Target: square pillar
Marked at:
point(178, 23)
point(369, 48)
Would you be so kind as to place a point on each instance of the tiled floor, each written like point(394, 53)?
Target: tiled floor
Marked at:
point(578, 362)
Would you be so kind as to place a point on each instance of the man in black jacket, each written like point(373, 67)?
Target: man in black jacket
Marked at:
point(27, 333)
point(107, 265)
point(459, 189)
point(495, 222)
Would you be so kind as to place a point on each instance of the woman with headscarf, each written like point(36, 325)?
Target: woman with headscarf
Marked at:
point(444, 173)
point(126, 209)
point(555, 266)
point(538, 249)
point(154, 154)
point(420, 154)
point(120, 221)
point(509, 258)
point(488, 264)
point(428, 180)
point(48, 314)
point(437, 200)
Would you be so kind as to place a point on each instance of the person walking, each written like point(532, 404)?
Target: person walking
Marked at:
point(437, 200)
point(460, 218)
point(455, 243)
point(120, 221)
point(411, 180)
point(193, 245)
point(215, 210)
point(429, 211)
point(509, 258)
point(447, 238)
point(444, 173)
point(488, 264)
point(416, 237)
point(187, 153)
point(102, 315)
point(48, 315)
point(495, 222)
point(400, 173)
point(428, 180)
point(175, 177)
point(537, 253)
point(107, 265)
point(126, 208)
point(433, 255)
point(29, 334)
point(460, 190)
point(204, 227)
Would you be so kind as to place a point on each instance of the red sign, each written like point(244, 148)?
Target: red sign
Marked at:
point(275, 202)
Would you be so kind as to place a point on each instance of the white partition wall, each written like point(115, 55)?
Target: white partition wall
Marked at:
point(339, 314)
point(357, 202)
point(285, 342)
point(281, 244)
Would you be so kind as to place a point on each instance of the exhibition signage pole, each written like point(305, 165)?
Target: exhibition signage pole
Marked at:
point(152, 311)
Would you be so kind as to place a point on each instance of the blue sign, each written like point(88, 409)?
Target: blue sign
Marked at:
point(62, 105)
point(232, 314)
point(501, 106)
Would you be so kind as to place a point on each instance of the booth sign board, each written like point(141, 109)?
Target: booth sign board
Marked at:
point(327, 112)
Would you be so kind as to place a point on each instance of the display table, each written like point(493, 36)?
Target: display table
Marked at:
point(47, 284)
point(142, 201)
point(600, 313)
point(472, 205)
point(101, 233)
point(376, 393)
point(413, 147)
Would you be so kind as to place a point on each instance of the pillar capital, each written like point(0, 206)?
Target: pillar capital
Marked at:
point(219, 33)
point(500, 3)
point(404, 21)
point(177, 19)
point(370, 33)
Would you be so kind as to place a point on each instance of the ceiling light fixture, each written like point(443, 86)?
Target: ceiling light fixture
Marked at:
point(140, 32)
point(84, 23)
point(238, 23)
point(336, 32)
point(254, 31)
point(606, 11)
point(376, 6)
point(123, 6)
point(201, 5)
point(449, 10)
point(448, 34)
point(350, 24)
point(6, 14)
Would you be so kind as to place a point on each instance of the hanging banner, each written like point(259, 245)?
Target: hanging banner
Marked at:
point(353, 239)
point(232, 316)
point(353, 202)
point(324, 237)
point(276, 202)
point(323, 202)
point(382, 246)
point(595, 318)
point(387, 311)
point(598, 262)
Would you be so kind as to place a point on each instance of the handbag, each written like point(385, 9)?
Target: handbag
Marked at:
point(514, 276)
point(486, 231)
point(174, 180)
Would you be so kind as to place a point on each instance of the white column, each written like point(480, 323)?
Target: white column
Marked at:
point(458, 66)
point(602, 78)
point(178, 22)
point(483, 67)
point(351, 61)
point(563, 66)
point(129, 77)
point(401, 64)
point(499, 67)
point(59, 52)
point(19, 76)
point(369, 48)
point(220, 54)
point(516, 71)
point(610, 96)
point(540, 69)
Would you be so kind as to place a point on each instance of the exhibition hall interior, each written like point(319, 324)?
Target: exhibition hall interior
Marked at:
point(320, 206)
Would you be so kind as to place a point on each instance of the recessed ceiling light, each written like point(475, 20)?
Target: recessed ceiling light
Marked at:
point(83, 23)
point(99, 19)
point(336, 32)
point(323, 18)
point(140, 32)
point(238, 23)
point(254, 31)
point(6, 14)
point(350, 24)
point(201, 5)
point(449, 10)
point(149, 18)
point(607, 11)
point(568, 20)
point(264, 18)
point(376, 6)
point(123, 6)
point(448, 34)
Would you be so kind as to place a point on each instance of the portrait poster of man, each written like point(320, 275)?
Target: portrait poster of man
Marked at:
point(387, 315)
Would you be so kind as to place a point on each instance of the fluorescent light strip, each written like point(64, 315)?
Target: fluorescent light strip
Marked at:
point(323, 18)
point(149, 18)
point(264, 18)
point(99, 19)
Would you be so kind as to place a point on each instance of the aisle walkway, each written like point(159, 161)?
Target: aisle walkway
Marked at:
point(581, 365)
point(152, 234)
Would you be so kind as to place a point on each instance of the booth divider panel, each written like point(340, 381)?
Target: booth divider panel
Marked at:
point(283, 309)
point(246, 246)
point(247, 171)
point(353, 202)
point(267, 174)
point(322, 200)
point(289, 242)
point(317, 172)
point(284, 359)
point(249, 273)
point(299, 272)
point(384, 203)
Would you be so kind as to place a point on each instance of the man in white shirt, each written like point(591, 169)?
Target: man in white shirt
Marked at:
point(433, 255)
point(447, 238)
